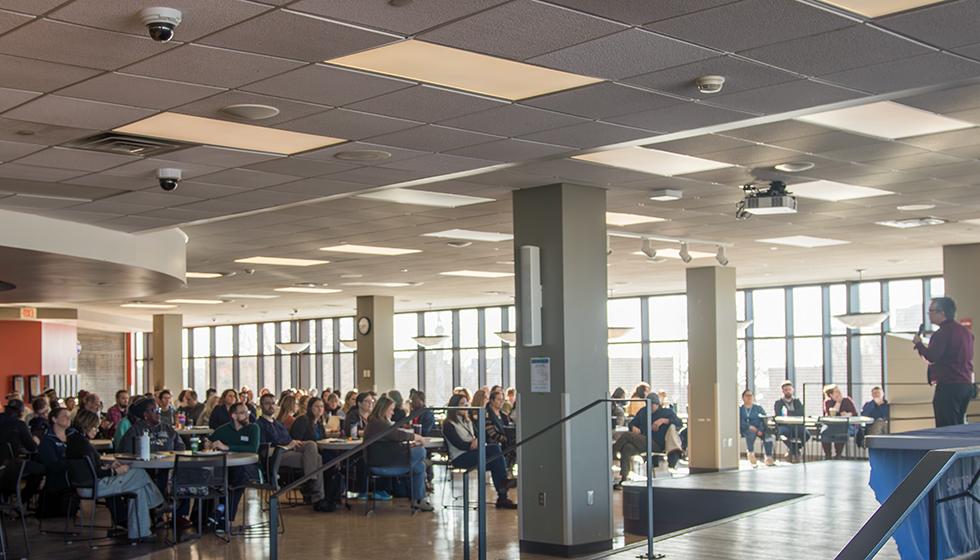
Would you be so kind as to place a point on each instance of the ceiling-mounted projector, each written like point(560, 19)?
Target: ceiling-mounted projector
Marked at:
point(765, 200)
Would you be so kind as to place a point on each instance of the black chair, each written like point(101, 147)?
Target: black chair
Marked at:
point(14, 504)
point(84, 479)
point(200, 477)
point(388, 459)
point(269, 462)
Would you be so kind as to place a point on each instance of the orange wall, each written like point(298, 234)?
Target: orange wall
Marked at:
point(20, 351)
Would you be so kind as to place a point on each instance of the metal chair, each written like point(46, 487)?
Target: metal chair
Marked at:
point(270, 463)
point(379, 467)
point(84, 479)
point(14, 504)
point(200, 477)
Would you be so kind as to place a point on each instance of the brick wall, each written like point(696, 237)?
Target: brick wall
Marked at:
point(102, 363)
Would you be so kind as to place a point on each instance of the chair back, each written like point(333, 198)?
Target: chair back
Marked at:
point(199, 476)
point(6, 452)
point(388, 454)
point(272, 467)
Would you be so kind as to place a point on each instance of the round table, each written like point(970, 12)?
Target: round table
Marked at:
point(101, 444)
point(334, 444)
point(165, 459)
point(195, 431)
point(849, 420)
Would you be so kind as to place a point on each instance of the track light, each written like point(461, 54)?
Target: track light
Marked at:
point(648, 249)
point(721, 257)
point(684, 254)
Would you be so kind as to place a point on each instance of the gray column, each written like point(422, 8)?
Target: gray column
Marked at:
point(713, 391)
point(565, 488)
point(167, 350)
point(376, 349)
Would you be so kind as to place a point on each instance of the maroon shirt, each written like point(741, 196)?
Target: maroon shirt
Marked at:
point(846, 405)
point(950, 354)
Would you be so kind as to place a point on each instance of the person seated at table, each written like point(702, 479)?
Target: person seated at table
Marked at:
point(71, 405)
point(287, 411)
point(496, 426)
point(350, 401)
point(127, 422)
point(211, 403)
point(248, 397)
point(312, 425)
point(191, 408)
point(618, 410)
point(461, 443)
point(37, 422)
point(665, 426)
point(356, 419)
point(148, 421)
point(876, 408)
point(210, 392)
point(752, 426)
point(117, 478)
point(383, 454)
point(333, 406)
point(14, 431)
point(396, 397)
point(510, 400)
point(640, 392)
point(51, 454)
point(665, 400)
point(299, 454)
point(425, 421)
point(168, 414)
point(239, 436)
point(221, 414)
point(792, 436)
point(837, 405)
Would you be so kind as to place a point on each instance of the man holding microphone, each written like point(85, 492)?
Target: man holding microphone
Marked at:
point(950, 357)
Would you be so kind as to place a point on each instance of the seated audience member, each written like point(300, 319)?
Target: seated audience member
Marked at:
point(356, 419)
point(350, 401)
point(479, 400)
point(210, 393)
point(168, 414)
point(117, 411)
point(665, 400)
point(876, 408)
point(37, 421)
point(116, 478)
point(640, 392)
point(311, 426)
point(511, 401)
point(665, 426)
point(51, 454)
point(298, 454)
point(396, 397)
point(14, 431)
point(793, 436)
point(212, 402)
point(71, 405)
point(301, 402)
point(752, 426)
point(147, 416)
point(496, 426)
point(463, 391)
point(248, 397)
point(836, 405)
point(239, 436)
point(93, 403)
point(191, 408)
point(461, 442)
point(288, 409)
point(384, 454)
point(425, 421)
point(127, 422)
point(221, 414)
point(618, 411)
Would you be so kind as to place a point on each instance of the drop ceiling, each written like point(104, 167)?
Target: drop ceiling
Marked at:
point(74, 68)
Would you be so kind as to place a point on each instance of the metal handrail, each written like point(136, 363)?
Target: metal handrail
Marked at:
point(919, 483)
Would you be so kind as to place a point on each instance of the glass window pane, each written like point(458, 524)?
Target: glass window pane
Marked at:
point(469, 328)
point(248, 372)
point(838, 364)
point(869, 373)
point(511, 318)
point(268, 338)
point(869, 297)
point(624, 366)
point(808, 359)
point(311, 328)
point(905, 305)
point(286, 379)
point(326, 335)
point(346, 327)
point(285, 332)
point(668, 371)
point(807, 311)
point(740, 305)
point(186, 348)
point(439, 323)
point(838, 306)
point(202, 342)
point(494, 366)
point(624, 313)
point(185, 374)
point(741, 364)
point(438, 376)
point(469, 369)
point(769, 312)
point(770, 368)
point(347, 372)
point(406, 371)
point(406, 326)
point(668, 317)
point(201, 378)
point(248, 340)
point(937, 287)
point(138, 345)
point(223, 341)
point(491, 318)
point(223, 370)
point(269, 373)
point(328, 378)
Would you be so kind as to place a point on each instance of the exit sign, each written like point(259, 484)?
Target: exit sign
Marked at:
point(28, 313)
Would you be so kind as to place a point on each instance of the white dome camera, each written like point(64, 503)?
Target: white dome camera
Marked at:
point(160, 22)
point(169, 178)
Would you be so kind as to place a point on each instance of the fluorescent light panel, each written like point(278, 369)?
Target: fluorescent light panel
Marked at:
point(805, 241)
point(909, 223)
point(369, 250)
point(623, 219)
point(301, 290)
point(206, 275)
point(247, 296)
point(477, 274)
point(471, 235)
point(464, 70)
point(280, 261)
point(833, 191)
point(878, 8)
point(378, 284)
point(886, 119)
point(197, 301)
point(424, 198)
point(147, 306)
point(673, 253)
point(652, 161)
point(201, 130)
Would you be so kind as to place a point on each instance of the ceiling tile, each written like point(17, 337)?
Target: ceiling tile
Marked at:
point(34, 202)
point(433, 138)
point(38, 133)
point(119, 182)
point(322, 186)
point(81, 160)
point(589, 135)
point(32, 173)
point(376, 176)
point(10, 20)
point(573, 171)
point(916, 161)
point(406, 19)
point(13, 97)
point(425, 104)
point(297, 36)
point(345, 123)
point(210, 66)
point(739, 75)
point(148, 168)
point(36, 7)
point(627, 53)
point(327, 85)
point(510, 150)
point(946, 140)
point(521, 29)
point(697, 145)
point(327, 154)
point(750, 23)
point(847, 48)
point(750, 155)
point(826, 142)
point(38, 75)
point(220, 157)
point(784, 97)
point(907, 73)
point(512, 120)
point(945, 101)
point(211, 107)
point(604, 100)
point(246, 178)
point(79, 113)
point(779, 130)
point(438, 164)
point(13, 150)
point(301, 167)
point(680, 117)
point(77, 45)
point(638, 12)
point(138, 91)
point(198, 189)
point(949, 24)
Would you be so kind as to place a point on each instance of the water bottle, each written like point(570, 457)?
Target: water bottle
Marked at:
point(353, 431)
point(145, 446)
point(195, 444)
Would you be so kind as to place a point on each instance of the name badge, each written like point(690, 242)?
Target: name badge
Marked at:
point(245, 439)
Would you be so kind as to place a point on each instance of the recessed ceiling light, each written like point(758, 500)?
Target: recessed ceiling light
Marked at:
point(351, 275)
point(424, 198)
point(915, 207)
point(465, 70)
point(302, 290)
point(248, 296)
point(477, 274)
point(139, 305)
point(909, 223)
point(666, 195)
point(886, 119)
point(506, 263)
point(878, 8)
point(652, 161)
point(203, 275)
point(250, 111)
point(833, 191)
point(280, 261)
point(624, 219)
point(363, 155)
point(470, 235)
point(201, 130)
point(806, 241)
point(794, 166)
point(197, 301)
point(971, 221)
point(380, 284)
point(369, 250)
point(674, 253)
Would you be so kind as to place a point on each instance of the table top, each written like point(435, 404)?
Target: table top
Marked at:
point(846, 420)
point(925, 440)
point(195, 431)
point(335, 444)
point(101, 443)
point(165, 459)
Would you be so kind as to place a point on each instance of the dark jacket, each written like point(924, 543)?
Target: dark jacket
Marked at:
point(660, 435)
point(193, 413)
point(51, 453)
point(846, 405)
point(15, 432)
point(305, 429)
point(874, 410)
point(496, 428)
point(273, 432)
point(79, 447)
point(391, 450)
point(219, 417)
point(352, 419)
point(792, 408)
point(162, 438)
point(427, 421)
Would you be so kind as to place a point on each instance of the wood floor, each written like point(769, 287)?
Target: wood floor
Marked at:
point(816, 526)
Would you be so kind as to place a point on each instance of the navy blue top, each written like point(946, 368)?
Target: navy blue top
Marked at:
point(273, 432)
point(640, 422)
point(874, 410)
point(755, 416)
point(427, 420)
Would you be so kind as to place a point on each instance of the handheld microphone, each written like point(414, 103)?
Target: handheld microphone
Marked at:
point(922, 330)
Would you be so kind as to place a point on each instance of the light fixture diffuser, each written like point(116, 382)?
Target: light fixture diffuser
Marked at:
point(369, 250)
point(622, 219)
point(886, 119)
point(428, 341)
point(477, 274)
point(833, 191)
point(463, 70)
point(470, 235)
point(280, 261)
point(214, 132)
point(878, 8)
point(909, 223)
point(248, 296)
point(861, 320)
point(139, 305)
point(652, 161)
point(915, 207)
point(510, 337)
point(379, 284)
point(666, 195)
point(424, 198)
point(303, 290)
point(203, 275)
point(806, 241)
point(292, 347)
point(197, 301)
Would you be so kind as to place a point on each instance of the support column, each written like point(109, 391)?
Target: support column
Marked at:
point(167, 350)
point(376, 347)
point(712, 369)
point(565, 490)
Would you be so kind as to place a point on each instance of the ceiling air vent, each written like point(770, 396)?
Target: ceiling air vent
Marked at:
point(127, 144)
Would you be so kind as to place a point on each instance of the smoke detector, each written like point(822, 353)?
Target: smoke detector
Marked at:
point(710, 84)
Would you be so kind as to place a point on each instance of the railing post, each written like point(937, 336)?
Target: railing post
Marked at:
point(649, 473)
point(933, 525)
point(273, 528)
point(481, 484)
point(466, 514)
